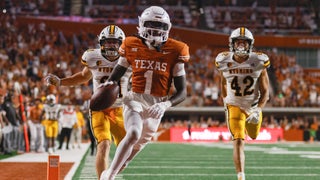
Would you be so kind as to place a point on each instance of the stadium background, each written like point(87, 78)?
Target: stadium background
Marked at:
point(38, 38)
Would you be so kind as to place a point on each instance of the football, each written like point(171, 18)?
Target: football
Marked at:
point(104, 97)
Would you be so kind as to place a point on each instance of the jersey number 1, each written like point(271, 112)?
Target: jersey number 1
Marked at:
point(148, 76)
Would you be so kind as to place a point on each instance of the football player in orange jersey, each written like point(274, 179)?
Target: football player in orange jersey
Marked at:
point(98, 64)
point(156, 61)
point(245, 91)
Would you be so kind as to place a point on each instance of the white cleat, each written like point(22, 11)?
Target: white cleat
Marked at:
point(241, 176)
point(106, 175)
point(50, 151)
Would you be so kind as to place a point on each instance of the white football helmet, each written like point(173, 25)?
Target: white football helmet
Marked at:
point(241, 33)
point(154, 25)
point(110, 39)
point(51, 99)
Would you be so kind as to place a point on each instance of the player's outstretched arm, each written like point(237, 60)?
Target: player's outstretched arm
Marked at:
point(78, 78)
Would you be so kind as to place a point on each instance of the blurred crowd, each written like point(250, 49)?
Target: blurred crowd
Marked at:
point(269, 17)
point(28, 54)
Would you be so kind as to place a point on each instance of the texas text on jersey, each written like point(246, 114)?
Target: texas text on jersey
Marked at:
point(153, 70)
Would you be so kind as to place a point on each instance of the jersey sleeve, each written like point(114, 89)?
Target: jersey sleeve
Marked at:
point(179, 70)
point(221, 57)
point(84, 58)
point(264, 59)
point(122, 48)
point(123, 62)
point(89, 57)
point(184, 54)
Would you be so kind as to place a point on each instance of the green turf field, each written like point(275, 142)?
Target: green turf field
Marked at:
point(166, 161)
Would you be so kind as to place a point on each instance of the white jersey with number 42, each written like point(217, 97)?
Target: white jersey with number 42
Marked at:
point(241, 78)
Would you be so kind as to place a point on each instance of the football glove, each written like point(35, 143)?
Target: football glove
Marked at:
point(157, 110)
point(254, 116)
point(52, 79)
point(107, 83)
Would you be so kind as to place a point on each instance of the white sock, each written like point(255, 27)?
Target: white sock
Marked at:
point(241, 175)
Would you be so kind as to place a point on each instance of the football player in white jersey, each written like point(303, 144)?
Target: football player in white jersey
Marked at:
point(49, 117)
point(98, 65)
point(244, 89)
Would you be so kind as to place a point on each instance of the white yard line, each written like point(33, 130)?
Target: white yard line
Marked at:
point(224, 175)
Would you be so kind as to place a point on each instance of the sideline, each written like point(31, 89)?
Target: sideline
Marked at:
point(72, 155)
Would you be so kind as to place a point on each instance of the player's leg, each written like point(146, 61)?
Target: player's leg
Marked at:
point(117, 125)
point(133, 125)
point(73, 137)
point(236, 119)
point(101, 132)
point(33, 135)
point(49, 133)
point(254, 129)
point(61, 137)
point(92, 140)
point(40, 134)
point(150, 127)
point(44, 123)
point(55, 131)
point(68, 135)
point(79, 136)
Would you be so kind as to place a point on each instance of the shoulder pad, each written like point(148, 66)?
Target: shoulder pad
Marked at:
point(126, 43)
point(261, 56)
point(89, 55)
point(221, 57)
point(264, 58)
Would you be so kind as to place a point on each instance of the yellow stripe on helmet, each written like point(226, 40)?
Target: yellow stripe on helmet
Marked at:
point(242, 31)
point(112, 29)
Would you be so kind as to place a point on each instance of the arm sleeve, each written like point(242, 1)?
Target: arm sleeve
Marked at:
point(179, 70)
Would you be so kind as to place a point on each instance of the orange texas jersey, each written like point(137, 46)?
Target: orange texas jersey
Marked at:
point(152, 71)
